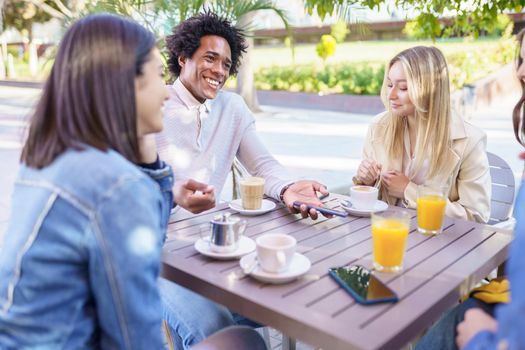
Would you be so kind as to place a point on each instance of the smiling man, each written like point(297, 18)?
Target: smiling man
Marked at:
point(204, 130)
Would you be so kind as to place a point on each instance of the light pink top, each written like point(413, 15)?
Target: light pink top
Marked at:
point(200, 141)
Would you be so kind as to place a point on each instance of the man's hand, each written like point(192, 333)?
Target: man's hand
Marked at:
point(369, 171)
point(194, 196)
point(304, 191)
point(475, 321)
point(395, 183)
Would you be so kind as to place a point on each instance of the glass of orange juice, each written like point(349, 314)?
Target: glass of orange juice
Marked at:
point(431, 203)
point(389, 234)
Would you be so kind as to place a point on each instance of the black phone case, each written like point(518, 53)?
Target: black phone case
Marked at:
point(356, 296)
point(323, 210)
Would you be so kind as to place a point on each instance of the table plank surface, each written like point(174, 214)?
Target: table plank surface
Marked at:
point(314, 308)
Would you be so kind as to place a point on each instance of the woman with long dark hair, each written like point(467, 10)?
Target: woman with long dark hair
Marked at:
point(81, 255)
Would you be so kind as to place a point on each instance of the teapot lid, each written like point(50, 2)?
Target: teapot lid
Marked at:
point(224, 218)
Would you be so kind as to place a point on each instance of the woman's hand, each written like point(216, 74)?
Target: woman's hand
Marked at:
point(147, 148)
point(395, 183)
point(475, 321)
point(369, 171)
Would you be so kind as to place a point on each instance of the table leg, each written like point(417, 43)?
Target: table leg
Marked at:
point(288, 343)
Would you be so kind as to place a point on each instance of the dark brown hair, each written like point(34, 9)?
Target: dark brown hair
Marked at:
point(89, 97)
point(518, 114)
point(186, 39)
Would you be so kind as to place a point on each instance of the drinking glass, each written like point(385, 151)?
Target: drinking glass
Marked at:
point(431, 203)
point(389, 234)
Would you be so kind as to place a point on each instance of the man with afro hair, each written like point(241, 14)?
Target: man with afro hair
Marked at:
point(205, 128)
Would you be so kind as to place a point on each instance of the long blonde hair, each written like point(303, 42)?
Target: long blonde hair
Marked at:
point(429, 91)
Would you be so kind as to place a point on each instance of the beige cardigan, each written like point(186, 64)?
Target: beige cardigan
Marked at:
point(468, 168)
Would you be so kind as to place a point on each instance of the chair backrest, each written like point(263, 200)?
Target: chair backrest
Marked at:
point(503, 188)
point(238, 172)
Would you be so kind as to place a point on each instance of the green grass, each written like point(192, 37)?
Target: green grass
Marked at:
point(359, 51)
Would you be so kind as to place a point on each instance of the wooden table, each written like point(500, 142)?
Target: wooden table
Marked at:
point(314, 309)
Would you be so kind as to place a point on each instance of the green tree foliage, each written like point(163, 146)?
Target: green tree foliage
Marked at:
point(420, 27)
point(21, 14)
point(326, 46)
point(160, 16)
point(501, 24)
point(339, 30)
point(469, 17)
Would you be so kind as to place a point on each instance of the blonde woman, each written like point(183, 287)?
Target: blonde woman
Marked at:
point(418, 141)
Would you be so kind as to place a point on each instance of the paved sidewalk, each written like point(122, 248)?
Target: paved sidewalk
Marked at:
point(14, 111)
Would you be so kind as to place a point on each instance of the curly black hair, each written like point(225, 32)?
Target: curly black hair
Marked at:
point(186, 39)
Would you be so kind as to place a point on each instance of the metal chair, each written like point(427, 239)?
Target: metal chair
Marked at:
point(502, 198)
point(503, 189)
point(232, 338)
point(238, 172)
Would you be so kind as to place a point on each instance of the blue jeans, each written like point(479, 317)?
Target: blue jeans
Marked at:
point(442, 335)
point(193, 317)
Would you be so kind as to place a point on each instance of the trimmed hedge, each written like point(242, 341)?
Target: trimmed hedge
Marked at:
point(347, 78)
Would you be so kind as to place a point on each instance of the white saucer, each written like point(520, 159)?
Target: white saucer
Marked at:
point(379, 206)
point(266, 206)
point(246, 245)
point(299, 266)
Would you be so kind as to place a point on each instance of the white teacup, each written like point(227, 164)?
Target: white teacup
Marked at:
point(363, 197)
point(275, 251)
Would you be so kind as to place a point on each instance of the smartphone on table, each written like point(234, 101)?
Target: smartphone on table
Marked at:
point(361, 284)
point(322, 210)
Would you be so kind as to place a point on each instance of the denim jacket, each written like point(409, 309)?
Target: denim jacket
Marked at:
point(81, 255)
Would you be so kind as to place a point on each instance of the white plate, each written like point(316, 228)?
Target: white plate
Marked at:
point(299, 266)
point(266, 206)
point(246, 246)
point(379, 206)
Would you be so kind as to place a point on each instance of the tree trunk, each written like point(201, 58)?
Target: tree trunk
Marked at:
point(2, 66)
point(245, 77)
point(2, 14)
point(3, 58)
point(33, 56)
point(30, 31)
point(11, 71)
point(33, 59)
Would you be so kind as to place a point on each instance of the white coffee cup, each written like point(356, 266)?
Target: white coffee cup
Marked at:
point(363, 197)
point(275, 251)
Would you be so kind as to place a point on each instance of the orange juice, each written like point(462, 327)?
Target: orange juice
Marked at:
point(430, 213)
point(389, 238)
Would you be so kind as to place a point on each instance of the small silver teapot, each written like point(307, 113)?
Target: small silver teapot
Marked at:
point(224, 232)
